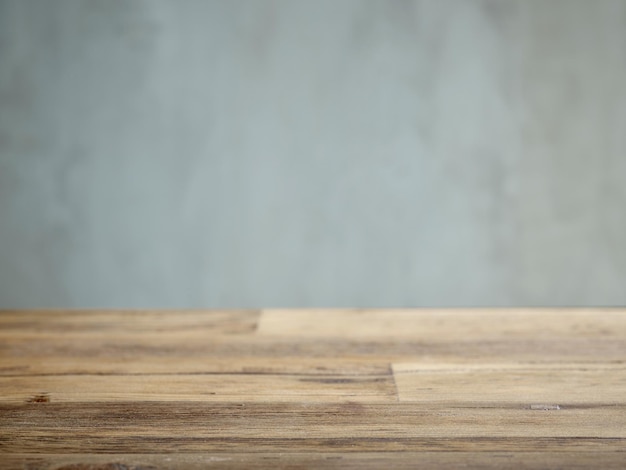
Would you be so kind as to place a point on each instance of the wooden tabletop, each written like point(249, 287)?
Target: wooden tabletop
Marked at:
point(474, 388)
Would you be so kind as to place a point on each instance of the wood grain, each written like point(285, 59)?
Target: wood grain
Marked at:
point(473, 388)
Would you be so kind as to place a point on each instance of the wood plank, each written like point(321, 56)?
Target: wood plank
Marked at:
point(141, 427)
point(121, 364)
point(562, 385)
point(367, 460)
point(198, 387)
point(199, 344)
point(123, 322)
point(572, 460)
point(446, 324)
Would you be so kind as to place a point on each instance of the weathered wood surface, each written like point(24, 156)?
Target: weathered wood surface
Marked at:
point(474, 388)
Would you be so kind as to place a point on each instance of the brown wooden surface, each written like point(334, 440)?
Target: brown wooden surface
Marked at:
point(474, 388)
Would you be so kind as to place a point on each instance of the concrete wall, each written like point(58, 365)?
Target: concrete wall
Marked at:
point(312, 153)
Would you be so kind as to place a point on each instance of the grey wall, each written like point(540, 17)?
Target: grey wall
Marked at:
point(312, 153)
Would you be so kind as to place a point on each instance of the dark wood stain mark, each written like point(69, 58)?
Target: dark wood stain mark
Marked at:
point(39, 398)
point(353, 407)
point(13, 369)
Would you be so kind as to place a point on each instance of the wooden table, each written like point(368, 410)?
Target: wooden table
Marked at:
point(476, 388)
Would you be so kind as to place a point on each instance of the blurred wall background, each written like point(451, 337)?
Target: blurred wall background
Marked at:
point(312, 153)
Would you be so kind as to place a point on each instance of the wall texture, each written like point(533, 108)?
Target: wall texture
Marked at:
point(312, 153)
